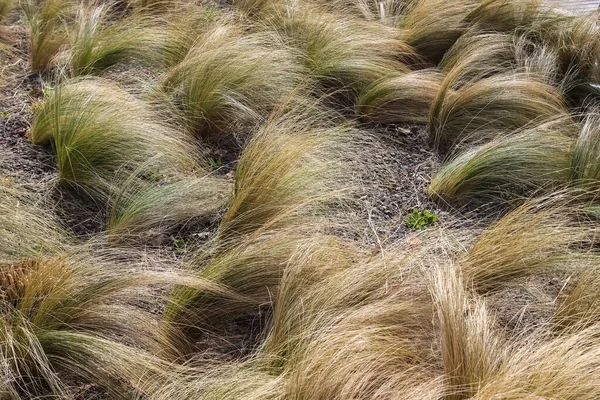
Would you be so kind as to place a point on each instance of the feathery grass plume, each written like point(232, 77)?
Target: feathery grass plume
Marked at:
point(343, 52)
point(101, 133)
point(144, 209)
point(401, 98)
point(432, 26)
point(6, 6)
point(573, 38)
point(471, 349)
point(562, 367)
point(534, 159)
point(251, 271)
point(226, 80)
point(45, 20)
point(586, 154)
point(224, 381)
point(353, 327)
point(26, 228)
point(49, 315)
point(288, 167)
point(99, 43)
point(76, 317)
point(508, 15)
point(498, 103)
point(580, 306)
point(538, 236)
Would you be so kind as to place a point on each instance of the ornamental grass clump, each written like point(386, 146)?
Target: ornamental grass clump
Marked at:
point(101, 134)
point(508, 167)
point(225, 84)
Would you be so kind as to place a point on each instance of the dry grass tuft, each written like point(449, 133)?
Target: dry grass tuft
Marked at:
point(432, 26)
point(586, 154)
point(101, 134)
point(27, 228)
point(533, 160)
point(564, 367)
point(343, 53)
point(580, 305)
point(499, 103)
point(290, 166)
point(540, 235)
point(45, 21)
point(99, 43)
point(402, 98)
point(61, 319)
point(226, 83)
point(471, 350)
point(143, 209)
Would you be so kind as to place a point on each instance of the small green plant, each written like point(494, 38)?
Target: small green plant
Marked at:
point(420, 219)
point(180, 245)
point(48, 90)
point(211, 12)
point(215, 162)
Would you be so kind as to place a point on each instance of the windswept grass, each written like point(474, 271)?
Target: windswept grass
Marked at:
point(572, 37)
point(540, 235)
point(27, 228)
point(47, 32)
point(586, 154)
point(182, 28)
point(388, 11)
point(508, 15)
point(250, 271)
point(564, 367)
point(68, 316)
point(289, 166)
point(98, 44)
point(432, 26)
point(285, 290)
point(6, 6)
point(533, 160)
point(343, 53)
point(61, 319)
point(287, 170)
point(152, 209)
point(471, 350)
point(345, 325)
point(580, 305)
point(225, 381)
point(354, 325)
point(402, 98)
point(500, 103)
point(226, 83)
point(101, 134)
point(478, 55)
